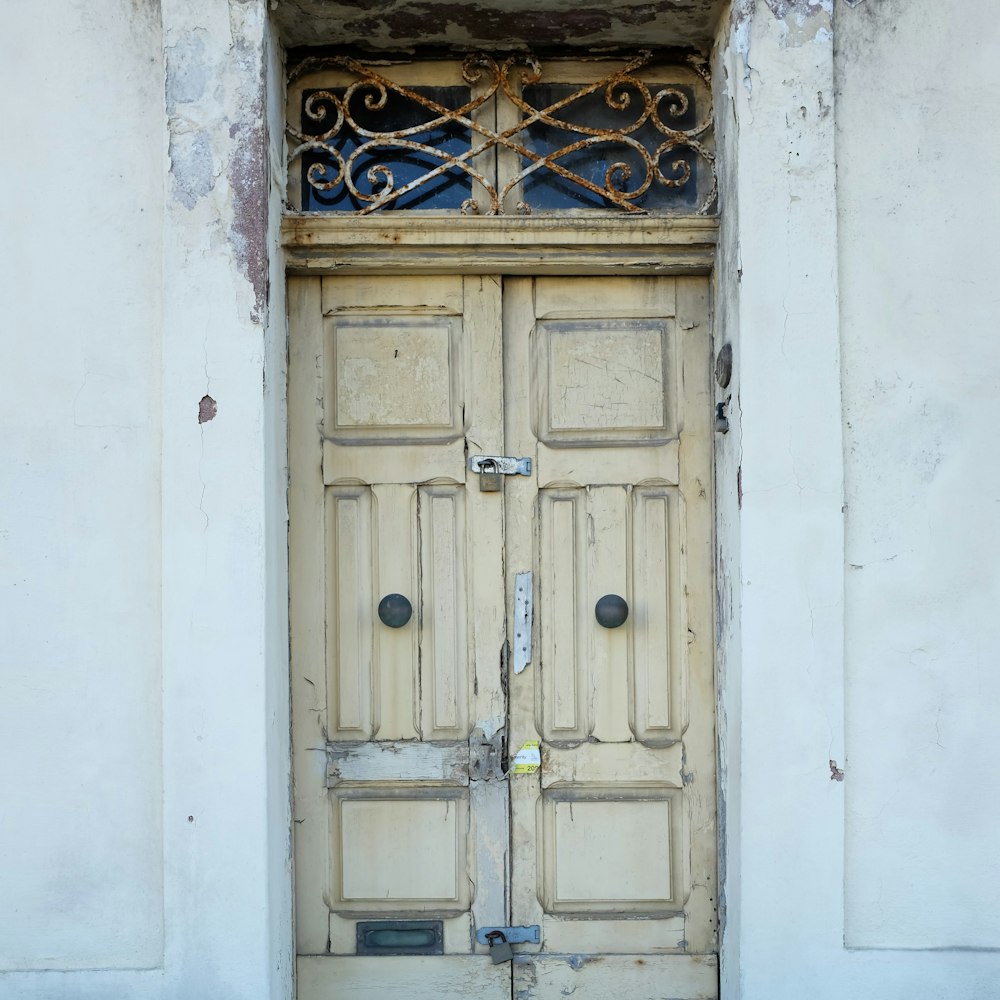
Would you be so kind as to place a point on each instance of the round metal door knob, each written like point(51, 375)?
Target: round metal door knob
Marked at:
point(394, 610)
point(611, 611)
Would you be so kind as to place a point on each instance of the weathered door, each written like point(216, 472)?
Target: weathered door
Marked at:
point(614, 838)
point(409, 835)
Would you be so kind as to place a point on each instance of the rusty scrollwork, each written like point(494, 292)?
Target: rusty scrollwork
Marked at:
point(654, 143)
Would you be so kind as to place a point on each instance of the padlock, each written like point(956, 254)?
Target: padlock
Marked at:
point(500, 950)
point(490, 476)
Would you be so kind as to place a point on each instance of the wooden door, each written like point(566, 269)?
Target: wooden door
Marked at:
point(401, 833)
point(404, 815)
point(614, 837)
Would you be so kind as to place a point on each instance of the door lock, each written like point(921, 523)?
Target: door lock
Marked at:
point(500, 949)
point(490, 476)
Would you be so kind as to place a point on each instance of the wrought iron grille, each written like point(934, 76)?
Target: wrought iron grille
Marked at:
point(504, 137)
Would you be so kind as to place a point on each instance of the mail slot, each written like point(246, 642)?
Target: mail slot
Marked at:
point(401, 937)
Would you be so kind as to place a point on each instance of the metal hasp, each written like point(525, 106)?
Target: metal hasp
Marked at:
point(522, 621)
point(531, 934)
point(505, 465)
point(611, 611)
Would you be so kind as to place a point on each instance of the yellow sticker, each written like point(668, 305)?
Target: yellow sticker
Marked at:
point(528, 759)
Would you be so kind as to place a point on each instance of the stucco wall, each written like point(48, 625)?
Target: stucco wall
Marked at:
point(918, 157)
point(861, 785)
point(81, 877)
point(144, 837)
point(143, 718)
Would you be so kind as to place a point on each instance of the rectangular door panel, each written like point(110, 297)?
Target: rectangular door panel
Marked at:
point(349, 654)
point(442, 614)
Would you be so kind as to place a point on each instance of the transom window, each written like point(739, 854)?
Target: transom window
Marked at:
point(497, 136)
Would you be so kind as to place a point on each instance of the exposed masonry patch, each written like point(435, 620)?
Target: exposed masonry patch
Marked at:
point(836, 774)
point(248, 178)
point(207, 409)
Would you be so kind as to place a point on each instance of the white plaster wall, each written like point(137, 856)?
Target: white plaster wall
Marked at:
point(780, 505)
point(918, 154)
point(863, 536)
point(144, 833)
point(81, 878)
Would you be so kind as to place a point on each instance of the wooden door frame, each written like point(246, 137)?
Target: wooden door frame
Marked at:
point(322, 245)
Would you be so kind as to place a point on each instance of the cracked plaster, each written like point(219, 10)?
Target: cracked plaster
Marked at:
point(402, 25)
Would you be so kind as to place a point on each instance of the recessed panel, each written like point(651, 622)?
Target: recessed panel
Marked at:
point(349, 611)
point(400, 851)
point(395, 378)
point(563, 675)
point(656, 590)
point(443, 612)
point(609, 851)
point(603, 380)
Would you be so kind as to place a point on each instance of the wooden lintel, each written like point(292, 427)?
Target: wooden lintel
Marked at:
point(439, 244)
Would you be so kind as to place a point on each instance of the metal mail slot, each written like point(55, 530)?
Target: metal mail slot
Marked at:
point(401, 937)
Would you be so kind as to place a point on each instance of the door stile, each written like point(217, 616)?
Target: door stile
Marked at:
point(525, 789)
point(307, 612)
point(488, 635)
point(698, 490)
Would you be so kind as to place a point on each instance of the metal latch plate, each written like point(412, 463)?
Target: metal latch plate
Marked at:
point(522, 621)
point(513, 935)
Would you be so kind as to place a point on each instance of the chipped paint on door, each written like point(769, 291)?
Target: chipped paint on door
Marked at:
point(403, 807)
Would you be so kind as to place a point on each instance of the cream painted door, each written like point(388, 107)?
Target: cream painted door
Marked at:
point(614, 838)
point(402, 813)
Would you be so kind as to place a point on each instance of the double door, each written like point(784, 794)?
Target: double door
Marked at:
point(502, 676)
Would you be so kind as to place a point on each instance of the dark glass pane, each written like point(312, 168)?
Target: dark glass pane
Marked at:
point(447, 190)
point(546, 190)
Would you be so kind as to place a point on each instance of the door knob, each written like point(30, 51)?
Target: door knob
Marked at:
point(611, 611)
point(394, 610)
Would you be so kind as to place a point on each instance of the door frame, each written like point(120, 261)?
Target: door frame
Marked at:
point(571, 246)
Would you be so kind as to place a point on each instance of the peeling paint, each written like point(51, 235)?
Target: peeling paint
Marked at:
point(192, 166)
point(187, 74)
point(400, 25)
point(804, 21)
point(784, 9)
point(836, 774)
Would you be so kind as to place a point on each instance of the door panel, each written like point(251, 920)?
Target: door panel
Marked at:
point(402, 810)
point(390, 380)
point(614, 837)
